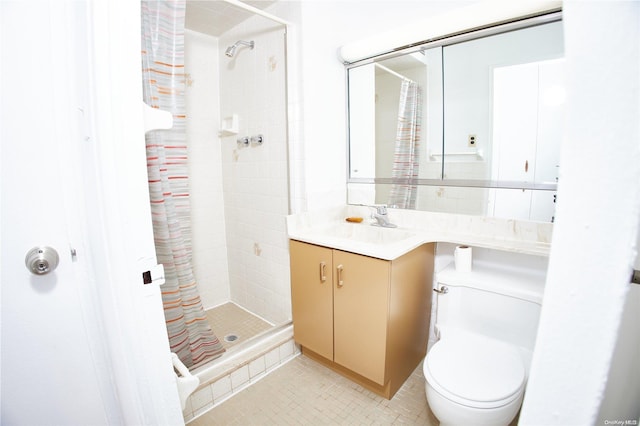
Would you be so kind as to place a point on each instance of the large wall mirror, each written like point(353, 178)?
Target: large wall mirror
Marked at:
point(471, 124)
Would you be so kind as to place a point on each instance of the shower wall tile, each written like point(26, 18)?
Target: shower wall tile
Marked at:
point(206, 177)
point(228, 385)
point(187, 412)
point(272, 359)
point(287, 349)
point(240, 378)
point(257, 368)
point(256, 177)
point(222, 388)
point(202, 399)
point(245, 191)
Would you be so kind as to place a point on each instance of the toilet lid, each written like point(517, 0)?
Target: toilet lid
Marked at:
point(475, 370)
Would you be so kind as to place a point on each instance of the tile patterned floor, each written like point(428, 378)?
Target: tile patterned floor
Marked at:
point(303, 392)
point(232, 319)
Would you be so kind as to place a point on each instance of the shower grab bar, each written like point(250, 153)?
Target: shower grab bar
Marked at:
point(186, 382)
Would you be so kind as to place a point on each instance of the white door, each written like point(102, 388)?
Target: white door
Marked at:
point(49, 372)
point(83, 344)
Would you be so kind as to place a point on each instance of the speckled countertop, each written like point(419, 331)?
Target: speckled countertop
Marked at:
point(328, 228)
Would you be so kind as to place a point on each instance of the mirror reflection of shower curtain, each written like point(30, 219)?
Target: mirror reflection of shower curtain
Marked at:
point(406, 155)
point(190, 335)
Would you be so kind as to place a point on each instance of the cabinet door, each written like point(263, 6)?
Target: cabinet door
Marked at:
point(312, 297)
point(361, 301)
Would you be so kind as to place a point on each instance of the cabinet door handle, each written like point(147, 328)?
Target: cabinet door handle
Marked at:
point(323, 272)
point(526, 166)
point(340, 281)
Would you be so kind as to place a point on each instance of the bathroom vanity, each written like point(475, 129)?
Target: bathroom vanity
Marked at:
point(364, 317)
point(361, 294)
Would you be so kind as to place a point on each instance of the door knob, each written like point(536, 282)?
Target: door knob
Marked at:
point(41, 260)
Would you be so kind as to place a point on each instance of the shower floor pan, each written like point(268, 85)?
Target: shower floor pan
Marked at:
point(234, 325)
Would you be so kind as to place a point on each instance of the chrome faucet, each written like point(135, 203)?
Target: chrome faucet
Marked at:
point(381, 216)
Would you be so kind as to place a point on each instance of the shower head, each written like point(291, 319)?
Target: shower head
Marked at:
point(231, 50)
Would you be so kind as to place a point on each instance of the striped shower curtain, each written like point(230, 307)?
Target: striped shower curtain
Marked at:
point(190, 335)
point(406, 155)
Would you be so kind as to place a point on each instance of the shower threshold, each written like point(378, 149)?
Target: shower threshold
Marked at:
point(278, 338)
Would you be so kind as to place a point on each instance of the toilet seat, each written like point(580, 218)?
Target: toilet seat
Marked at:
point(475, 371)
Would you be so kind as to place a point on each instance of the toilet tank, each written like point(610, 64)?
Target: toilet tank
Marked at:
point(498, 302)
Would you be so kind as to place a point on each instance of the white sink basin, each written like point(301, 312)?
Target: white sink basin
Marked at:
point(359, 238)
point(362, 233)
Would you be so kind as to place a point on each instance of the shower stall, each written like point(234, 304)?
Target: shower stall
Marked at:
point(236, 103)
point(236, 107)
point(236, 129)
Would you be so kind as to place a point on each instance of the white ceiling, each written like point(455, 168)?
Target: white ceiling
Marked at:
point(214, 17)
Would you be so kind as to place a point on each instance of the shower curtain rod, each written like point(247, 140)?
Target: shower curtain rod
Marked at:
point(392, 72)
point(257, 11)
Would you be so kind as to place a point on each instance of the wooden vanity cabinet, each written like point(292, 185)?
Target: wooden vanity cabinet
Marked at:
point(312, 297)
point(365, 318)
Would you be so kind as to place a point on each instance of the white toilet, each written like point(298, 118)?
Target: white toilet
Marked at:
point(486, 323)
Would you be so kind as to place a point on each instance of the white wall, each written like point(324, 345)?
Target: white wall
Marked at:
point(323, 82)
point(323, 157)
point(597, 220)
point(623, 384)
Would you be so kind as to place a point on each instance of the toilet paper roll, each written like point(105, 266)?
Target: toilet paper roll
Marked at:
point(463, 258)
